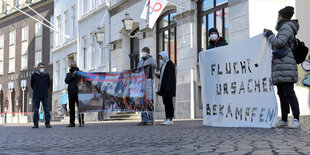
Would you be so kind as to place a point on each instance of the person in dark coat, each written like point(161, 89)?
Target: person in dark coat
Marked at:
point(167, 85)
point(215, 39)
point(148, 65)
point(284, 69)
point(72, 79)
point(40, 82)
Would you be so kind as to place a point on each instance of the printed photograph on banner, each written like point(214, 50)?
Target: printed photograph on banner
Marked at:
point(237, 89)
point(114, 91)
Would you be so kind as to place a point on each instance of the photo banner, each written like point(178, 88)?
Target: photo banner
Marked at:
point(236, 84)
point(115, 91)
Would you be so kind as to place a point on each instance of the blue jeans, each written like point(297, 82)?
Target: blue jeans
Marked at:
point(147, 117)
point(36, 104)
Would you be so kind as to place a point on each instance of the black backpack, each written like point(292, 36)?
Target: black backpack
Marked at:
point(300, 51)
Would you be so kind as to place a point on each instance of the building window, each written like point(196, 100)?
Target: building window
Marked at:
point(73, 21)
point(166, 29)
point(38, 31)
point(84, 50)
point(11, 65)
point(24, 48)
point(66, 24)
point(38, 57)
point(134, 51)
point(93, 52)
point(1, 53)
point(211, 13)
point(12, 38)
point(58, 29)
point(85, 6)
point(57, 74)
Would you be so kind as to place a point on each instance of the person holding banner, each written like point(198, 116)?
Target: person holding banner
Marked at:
point(215, 39)
point(167, 85)
point(148, 65)
point(72, 79)
point(40, 82)
point(284, 67)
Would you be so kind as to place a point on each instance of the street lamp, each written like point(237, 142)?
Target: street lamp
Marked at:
point(128, 25)
point(100, 36)
point(23, 84)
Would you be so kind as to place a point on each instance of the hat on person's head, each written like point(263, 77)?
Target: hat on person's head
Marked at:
point(213, 30)
point(146, 49)
point(287, 12)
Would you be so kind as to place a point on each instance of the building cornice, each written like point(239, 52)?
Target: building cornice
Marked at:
point(65, 45)
point(93, 13)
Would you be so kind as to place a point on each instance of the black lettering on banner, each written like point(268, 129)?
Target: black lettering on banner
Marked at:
point(264, 85)
point(212, 68)
point(218, 70)
point(225, 88)
point(270, 114)
point(270, 85)
point(238, 113)
point(242, 88)
point(257, 85)
point(221, 110)
point(242, 63)
point(253, 113)
point(214, 109)
point(261, 115)
point(228, 68)
point(234, 88)
point(249, 89)
point(236, 71)
point(218, 89)
point(208, 110)
point(247, 113)
point(229, 111)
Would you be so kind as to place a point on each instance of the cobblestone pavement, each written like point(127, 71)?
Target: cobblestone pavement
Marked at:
point(184, 137)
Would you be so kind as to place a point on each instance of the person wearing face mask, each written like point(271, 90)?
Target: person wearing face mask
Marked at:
point(72, 79)
point(40, 82)
point(284, 66)
point(215, 39)
point(167, 85)
point(148, 65)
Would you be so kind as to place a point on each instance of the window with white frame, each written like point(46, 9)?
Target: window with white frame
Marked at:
point(85, 6)
point(66, 23)
point(1, 53)
point(84, 51)
point(93, 52)
point(58, 29)
point(73, 21)
point(38, 29)
point(12, 38)
point(57, 74)
point(25, 32)
point(24, 48)
point(38, 57)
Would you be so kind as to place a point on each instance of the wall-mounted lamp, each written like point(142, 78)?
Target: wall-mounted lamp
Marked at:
point(128, 25)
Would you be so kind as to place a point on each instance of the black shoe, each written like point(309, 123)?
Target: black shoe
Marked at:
point(35, 126)
point(142, 124)
point(81, 125)
point(48, 126)
point(71, 125)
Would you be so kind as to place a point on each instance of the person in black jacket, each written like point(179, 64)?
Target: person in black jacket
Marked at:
point(72, 80)
point(40, 82)
point(215, 39)
point(167, 85)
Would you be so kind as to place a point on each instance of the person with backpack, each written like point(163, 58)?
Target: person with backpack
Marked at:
point(284, 66)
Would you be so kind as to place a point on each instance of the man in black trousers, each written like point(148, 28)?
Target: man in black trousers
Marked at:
point(167, 85)
point(72, 80)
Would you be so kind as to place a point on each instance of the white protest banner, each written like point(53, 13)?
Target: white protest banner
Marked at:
point(236, 85)
point(154, 7)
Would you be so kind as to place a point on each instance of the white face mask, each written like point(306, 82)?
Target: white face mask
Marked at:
point(213, 37)
point(143, 54)
point(161, 62)
point(42, 70)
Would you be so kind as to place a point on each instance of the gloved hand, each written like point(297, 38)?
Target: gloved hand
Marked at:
point(267, 33)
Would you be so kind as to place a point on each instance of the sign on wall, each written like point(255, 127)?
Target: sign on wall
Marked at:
point(236, 83)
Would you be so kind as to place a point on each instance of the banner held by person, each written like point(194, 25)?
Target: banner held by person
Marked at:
point(117, 91)
point(236, 83)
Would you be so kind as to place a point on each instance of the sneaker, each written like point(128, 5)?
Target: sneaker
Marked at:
point(150, 123)
point(281, 124)
point(142, 124)
point(71, 125)
point(295, 124)
point(48, 126)
point(167, 122)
